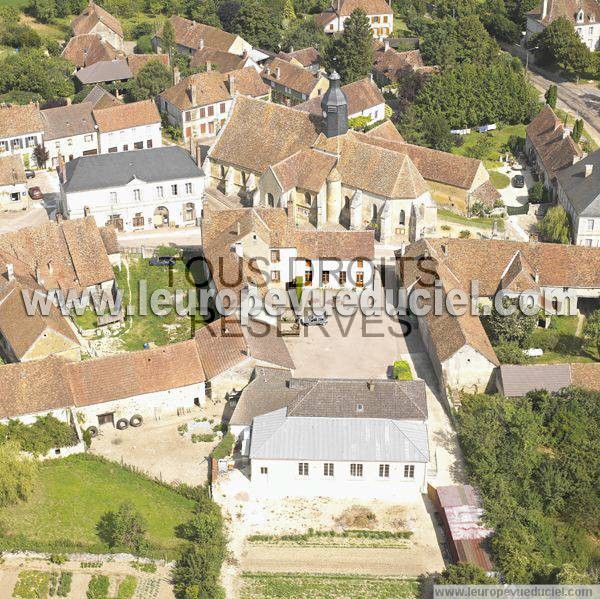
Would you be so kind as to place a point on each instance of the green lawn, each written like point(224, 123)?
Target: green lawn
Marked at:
point(482, 223)
point(71, 495)
point(499, 180)
point(325, 586)
point(17, 3)
point(499, 138)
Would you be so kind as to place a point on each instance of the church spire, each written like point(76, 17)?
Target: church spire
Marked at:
point(335, 108)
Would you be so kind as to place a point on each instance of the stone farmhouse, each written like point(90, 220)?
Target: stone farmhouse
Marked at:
point(191, 36)
point(95, 20)
point(309, 58)
point(81, 130)
point(21, 129)
point(364, 99)
point(200, 104)
point(13, 184)
point(583, 14)
point(54, 256)
point(120, 390)
point(578, 192)
point(292, 83)
point(458, 346)
point(88, 49)
point(257, 249)
point(379, 13)
point(334, 437)
point(550, 147)
point(132, 190)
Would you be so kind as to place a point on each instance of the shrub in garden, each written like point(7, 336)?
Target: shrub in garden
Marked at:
point(123, 528)
point(402, 371)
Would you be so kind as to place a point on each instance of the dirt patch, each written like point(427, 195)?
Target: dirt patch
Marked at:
point(357, 516)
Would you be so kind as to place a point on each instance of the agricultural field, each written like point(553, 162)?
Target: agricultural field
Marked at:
point(305, 586)
point(69, 497)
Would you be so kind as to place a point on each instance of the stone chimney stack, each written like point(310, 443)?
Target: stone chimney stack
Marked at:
point(201, 44)
point(231, 79)
point(10, 272)
point(176, 76)
point(589, 169)
point(386, 44)
point(335, 108)
point(62, 170)
point(192, 94)
point(277, 72)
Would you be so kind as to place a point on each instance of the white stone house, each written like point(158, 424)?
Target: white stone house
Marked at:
point(13, 184)
point(578, 192)
point(95, 20)
point(342, 457)
point(584, 16)
point(379, 13)
point(143, 189)
point(70, 132)
point(126, 127)
point(21, 130)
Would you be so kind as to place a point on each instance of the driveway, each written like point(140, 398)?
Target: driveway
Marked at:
point(357, 346)
point(513, 196)
point(158, 449)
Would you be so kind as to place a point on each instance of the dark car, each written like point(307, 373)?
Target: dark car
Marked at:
point(35, 193)
point(162, 261)
point(518, 181)
point(29, 173)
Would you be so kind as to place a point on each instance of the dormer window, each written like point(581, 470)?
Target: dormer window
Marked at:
point(360, 408)
point(580, 16)
point(592, 19)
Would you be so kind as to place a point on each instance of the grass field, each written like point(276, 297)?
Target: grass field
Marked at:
point(482, 223)
point(499, 139)
point(499, 180)
point(72, 494)
point(18, 3)
point(323, 586)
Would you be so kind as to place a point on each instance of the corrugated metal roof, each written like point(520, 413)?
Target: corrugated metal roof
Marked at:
point(518, 380)
point(278, 436)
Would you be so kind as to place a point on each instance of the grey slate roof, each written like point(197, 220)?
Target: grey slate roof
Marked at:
point(67, 121)
point(117, 169)
point(518, 380)
point(104, 70)
point(100, 98)
point(277, 435)
point(381, 398)
point(583, 192)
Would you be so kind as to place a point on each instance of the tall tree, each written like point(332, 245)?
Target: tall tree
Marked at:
point(153, 78)
point(302, 34)
point(551, 95)
point(205, 12)
point(167, 38)
point(258, 24)
point(351, 54)
point(556, 226)
point(123, 528)
point(577, 130)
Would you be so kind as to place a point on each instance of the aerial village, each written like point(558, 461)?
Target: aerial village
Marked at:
point(298, 300)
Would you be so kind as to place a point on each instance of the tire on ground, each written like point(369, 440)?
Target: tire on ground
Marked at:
point(136, 420)
point(122, 424)
point(93, 431)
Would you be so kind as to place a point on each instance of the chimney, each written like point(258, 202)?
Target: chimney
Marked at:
point(62, 171)
point(239, 227)
point(370, 385)
point(445, 249)
point(201, 44)
point(277, 72)
point(38, 276)
point(536, 276)
point(176, 76)
point(386, 44)
point(10, 272)
point(231, 85)
point(192, 94)
point(208, 66)
point(291, 50)
point(589, 169)
point(544, 9)
point(50, 269)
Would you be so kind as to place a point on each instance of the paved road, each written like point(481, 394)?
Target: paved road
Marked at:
point(582, 100)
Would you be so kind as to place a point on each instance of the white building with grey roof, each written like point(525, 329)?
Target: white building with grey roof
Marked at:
point(578, 191)
point(334, 437)
point(141, 189)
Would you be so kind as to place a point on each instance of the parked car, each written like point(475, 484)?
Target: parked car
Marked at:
point(313, 320)
point(162, 261)
point(29, 173)
point(35, 193)
point(518, 181)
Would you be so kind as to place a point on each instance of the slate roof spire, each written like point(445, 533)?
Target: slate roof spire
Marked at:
point(335, 108)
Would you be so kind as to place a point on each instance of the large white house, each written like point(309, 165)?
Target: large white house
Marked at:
point(379, 13)
point(578, 191)
point(335, 437)
point(583, 14)
point(21, 130)
point(143, 189)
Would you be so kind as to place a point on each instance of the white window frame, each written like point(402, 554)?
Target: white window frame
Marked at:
point(303, 469)
point(356, 470)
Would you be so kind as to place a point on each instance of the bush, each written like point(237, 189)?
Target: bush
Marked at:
point(465, 574)
point(510, 353)
point(402, 371)
point(46, 433)
point(17, 474)
point(143, 45)
point(127, 587)
point(224, 448)
point(465, 234)
point(479, 209)
point(536, 193)
point(58, 558)
point(203, 438)
point(546, 340)
point(123, 528)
